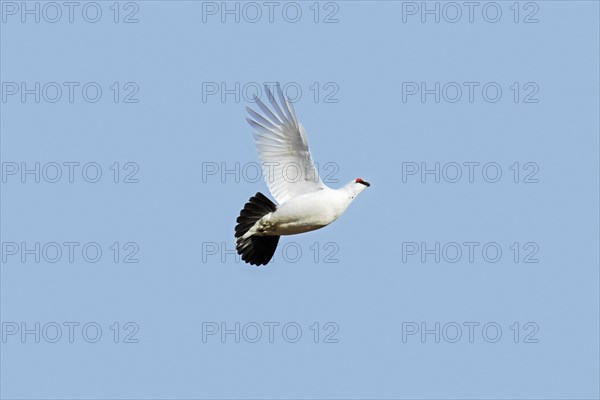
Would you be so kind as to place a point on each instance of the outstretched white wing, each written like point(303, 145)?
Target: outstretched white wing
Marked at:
point(283, 149)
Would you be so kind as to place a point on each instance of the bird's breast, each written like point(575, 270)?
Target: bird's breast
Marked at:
point(303, 214)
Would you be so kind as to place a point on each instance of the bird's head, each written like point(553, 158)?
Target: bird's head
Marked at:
point(359, 185)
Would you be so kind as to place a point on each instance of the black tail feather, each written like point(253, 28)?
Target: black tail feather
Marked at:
point(255, 250)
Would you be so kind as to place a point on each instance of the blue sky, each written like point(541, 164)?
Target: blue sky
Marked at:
point(469, 268)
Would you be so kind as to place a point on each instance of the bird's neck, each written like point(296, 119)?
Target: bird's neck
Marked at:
point(349, 192)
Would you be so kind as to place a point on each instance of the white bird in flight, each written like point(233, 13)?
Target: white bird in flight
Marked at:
point(305, 203)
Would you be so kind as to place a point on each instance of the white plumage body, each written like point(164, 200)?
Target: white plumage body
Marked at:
point(304, 213)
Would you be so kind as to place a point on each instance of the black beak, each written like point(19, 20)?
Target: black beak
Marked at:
point(367, 184)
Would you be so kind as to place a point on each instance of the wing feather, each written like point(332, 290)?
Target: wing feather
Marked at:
point(282, 147)
point(275, 106)
point(266, 110)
